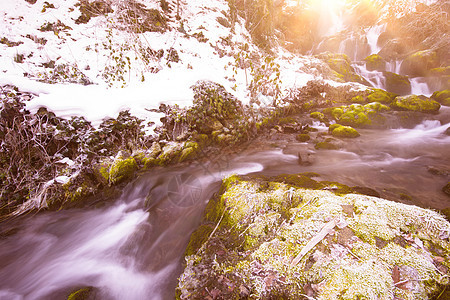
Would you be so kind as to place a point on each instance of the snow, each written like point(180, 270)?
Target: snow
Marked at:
point(83, 46)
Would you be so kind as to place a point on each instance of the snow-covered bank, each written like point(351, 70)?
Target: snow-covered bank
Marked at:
point(202, 43)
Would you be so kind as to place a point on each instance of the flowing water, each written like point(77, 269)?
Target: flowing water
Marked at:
point(132, 248)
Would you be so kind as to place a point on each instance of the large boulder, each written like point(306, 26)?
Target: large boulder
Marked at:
point(375, 62)
point(291, 235)
point(340, 64)
point(443, 97)
point(344, 132)
point(398, 84)
point(420, 63)
point(416, 103)
point(393, 49)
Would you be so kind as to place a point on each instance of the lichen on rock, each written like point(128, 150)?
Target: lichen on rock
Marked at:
point(273, 239)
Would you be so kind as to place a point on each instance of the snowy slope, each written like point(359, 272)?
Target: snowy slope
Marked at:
point(83, 46)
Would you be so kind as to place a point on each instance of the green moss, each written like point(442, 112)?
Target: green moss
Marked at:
point(381, 97)
point(303, 137)
point(231, 180)
point(442, 71)
point(169, 153)
point(416, 103)
point(356, 119)
point(443, 97)
point(266, 223)
point(285, 120)
point(397, 83)
point(333, 127)
point(345, 132)
point(189, 151)
point(376, 106)
point(104, 171)
point(419, 63)
point(198, 237)
point(298, 180)
point(337, 112)
point(326, 146)
point(122, 169)
point(340, 65)
point(336, 187)
point(317, 115)
point(358, 99)
point(375, 62)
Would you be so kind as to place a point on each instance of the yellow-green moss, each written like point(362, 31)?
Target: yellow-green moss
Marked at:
point(358, 99)
point(345, 132)
point(443, 97)
point(189, 151)
point(317, 115)
point(303, 137)
point(326, 146)
point(122, 169)
point(381, 96)
point(396, 83)
point(419, 63)
point(198, 237)
point(265, 223)
point(354, 118)
point(416, 103)
point(375, 62)
point(169, 153)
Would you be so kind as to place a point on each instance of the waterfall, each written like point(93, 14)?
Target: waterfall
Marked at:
point(372, 35)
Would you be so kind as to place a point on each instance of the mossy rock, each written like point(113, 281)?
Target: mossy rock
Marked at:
point(397, 84)
point(286, 238)
point(420, 63)
point(170, 152)
point(443, 97)
point(355, 119)
point(333, 127)
point(416, 103)
point(318, 116)
point(302, 137)
point(345, 132)
point(337, 112)
point(375, 62)
point(381, 96)
point(359, 99)
point(298, 180)
point(340, 63)
point(441, 71)
point(190, 150)
point(326, 146)
point(122, 169)
point(376, 106)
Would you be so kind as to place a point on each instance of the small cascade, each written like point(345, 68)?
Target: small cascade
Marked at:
point(394, 66)
point(375, 78)
point(372, 35)
point(419, 86)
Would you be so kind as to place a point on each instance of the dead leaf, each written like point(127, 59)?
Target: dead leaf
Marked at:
point(396, 274)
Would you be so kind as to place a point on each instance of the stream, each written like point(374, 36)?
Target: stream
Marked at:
point(133, 247)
